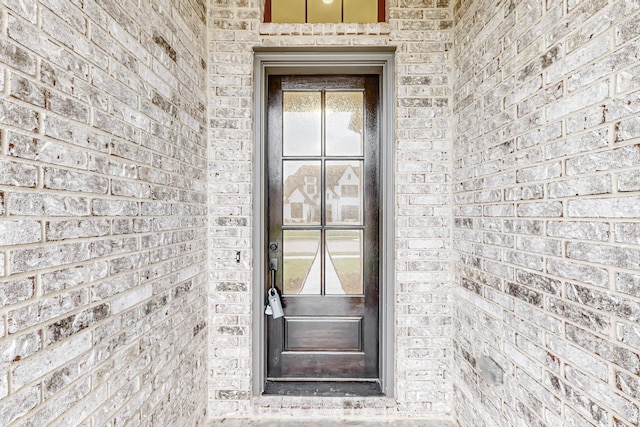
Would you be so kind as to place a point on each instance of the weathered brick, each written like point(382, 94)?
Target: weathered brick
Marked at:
point(618, 256)
point(17, 290)
point(39, 96)
point(12, 114)
point(4, 384)
point(20, 232)
point(33, 204)
point(19, 347)
point(620, 356)
point(604, 301)
point(576, 313)
point(66, 180)
point(615, 207)
point(70, 229)
point(629, 181)
point(105, 207)
point(580, 186)
point(577, 144)
point(37, 365)
point(46, 151)
point(628, 284)
point(586, 230)
point(604, 160)
point(60, 129)
point(16, 57)
point(22, 260)
point(63, 328)
point(628, 334)
point(44, 310)
point(539, 172)
point(628, 233)
point(73, 276)
point(578, 272)
point(59, 403)
point(18, 174)
point(628, 384)
point(19, 404)
point(540, 209)
point(68, 63)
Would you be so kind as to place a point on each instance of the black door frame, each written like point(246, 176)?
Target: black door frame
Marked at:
point(326, 61)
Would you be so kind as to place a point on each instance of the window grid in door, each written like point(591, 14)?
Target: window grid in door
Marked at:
point(323, 242)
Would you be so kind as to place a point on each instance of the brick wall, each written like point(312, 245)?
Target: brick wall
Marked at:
point(421, 31)
point(547, 211)
point(102, 212)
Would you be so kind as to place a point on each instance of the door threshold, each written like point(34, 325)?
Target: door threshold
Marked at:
point(323, 388)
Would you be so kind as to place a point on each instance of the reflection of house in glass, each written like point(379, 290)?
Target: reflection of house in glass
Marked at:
point(302, 202)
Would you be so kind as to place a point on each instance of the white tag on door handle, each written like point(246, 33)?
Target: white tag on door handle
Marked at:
point(275, 304)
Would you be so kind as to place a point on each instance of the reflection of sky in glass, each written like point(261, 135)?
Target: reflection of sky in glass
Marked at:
point(341, 140)
point(301, 133)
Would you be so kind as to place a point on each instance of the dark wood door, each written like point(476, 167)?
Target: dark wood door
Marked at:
point(323, 227)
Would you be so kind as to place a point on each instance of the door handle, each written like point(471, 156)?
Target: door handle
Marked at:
point(274, 305)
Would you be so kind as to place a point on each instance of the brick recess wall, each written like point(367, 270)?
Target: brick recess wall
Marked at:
point(422, 32)
point(102, 212)
point(547, 211)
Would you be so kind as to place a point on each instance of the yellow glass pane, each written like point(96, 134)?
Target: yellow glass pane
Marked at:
point(287, 11)
point(324, 11)
point(361, 11)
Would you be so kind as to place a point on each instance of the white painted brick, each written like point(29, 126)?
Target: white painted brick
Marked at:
point(32, 368)
point(131, 298)
point(19, 404)
point(65, 180)
point(17, 290)
point(580, 186)
point(20, 232)
point(618, 207)
point(34, 204)
point(22, 260)
point(49, 145)
point(601, 392)
point(592, 95)
point(578, 272)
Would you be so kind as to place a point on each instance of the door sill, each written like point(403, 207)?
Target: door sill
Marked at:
point(323, 388)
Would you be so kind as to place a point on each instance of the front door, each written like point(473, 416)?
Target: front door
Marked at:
point(322, 218)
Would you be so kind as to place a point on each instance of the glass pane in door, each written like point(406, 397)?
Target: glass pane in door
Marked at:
point(301, 192)
point(344, 196)
point(343, 268)
point(301, 123)
point(344, 112)
point(301, 259)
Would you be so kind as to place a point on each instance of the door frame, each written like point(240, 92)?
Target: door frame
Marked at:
point(326, 61)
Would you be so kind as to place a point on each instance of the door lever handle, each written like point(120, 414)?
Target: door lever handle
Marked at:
point(274, 305)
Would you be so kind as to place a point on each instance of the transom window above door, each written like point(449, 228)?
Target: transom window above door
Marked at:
point(324, 11)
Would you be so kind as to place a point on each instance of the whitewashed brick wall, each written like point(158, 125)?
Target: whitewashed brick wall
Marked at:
point(106, 179)
point(547, 211)
point(421, 31)
point(102, 212)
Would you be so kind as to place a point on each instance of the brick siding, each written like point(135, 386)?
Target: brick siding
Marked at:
point(103, 209)
point(422, 33)
point(546, 159)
